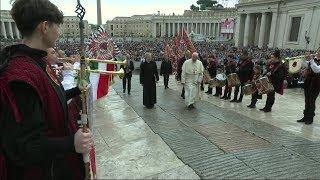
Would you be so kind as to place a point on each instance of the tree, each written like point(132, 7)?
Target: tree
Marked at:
point(204, 4)
point(194, 8)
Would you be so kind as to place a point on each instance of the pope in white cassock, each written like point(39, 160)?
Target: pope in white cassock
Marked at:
point(191, 78)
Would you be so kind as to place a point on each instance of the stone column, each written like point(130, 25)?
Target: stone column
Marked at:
point(3, 30)
point(163, 29)
point(174, 29)
point(218, 29)
point(196, 28)
point(210, 26)
point(99, 19)
point(262, 30)
point(257, 30)
point(246, 30)
point(10, 29)
point(273, 30)
point(188, 31)
point(155, 29)
point(205, 29)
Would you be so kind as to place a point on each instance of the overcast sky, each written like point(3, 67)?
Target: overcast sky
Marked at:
point(113, 8)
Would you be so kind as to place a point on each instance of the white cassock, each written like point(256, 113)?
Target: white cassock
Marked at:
point(192, 75)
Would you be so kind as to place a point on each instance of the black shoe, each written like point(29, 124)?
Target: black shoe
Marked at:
point(150, 107)
point(233, 100)
point(124, 91)
point(308, 122)
point(223, 97)
point(238, 101)
point(301, 120)
point(263, 109)
point(129, 93)
point(191, 106)
point(251, 106)
point(267, 110)
point(217, 95)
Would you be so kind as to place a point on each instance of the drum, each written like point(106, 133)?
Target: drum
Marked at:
point(249, 89)
point(233, 80)
point(216, 83)
point(263, 85)
point(295, 65)
point(206, 77)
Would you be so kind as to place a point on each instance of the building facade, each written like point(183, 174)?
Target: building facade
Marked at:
point(70, 27)
point(278, 23)
point(206, 23)
point(8, 28)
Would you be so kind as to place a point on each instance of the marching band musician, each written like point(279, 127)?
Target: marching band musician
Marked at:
point(257, 73)
point(311, 88)
point(276, 72)
point(230, 67)
point(36, 142)
point(212, 69)
point(245, 71)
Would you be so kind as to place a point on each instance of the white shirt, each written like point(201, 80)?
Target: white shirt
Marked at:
point(314, 66)
point(69, 76)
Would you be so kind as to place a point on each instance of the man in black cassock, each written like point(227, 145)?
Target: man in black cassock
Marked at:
point(148, 78)
point(165, 71)
point(186, 56)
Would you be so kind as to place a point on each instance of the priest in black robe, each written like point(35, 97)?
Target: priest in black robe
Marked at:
point(148, 78)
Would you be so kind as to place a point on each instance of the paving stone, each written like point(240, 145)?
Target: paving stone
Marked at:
point(219, 143)
point(278, 162)
point(224, 166)
point(311, 151)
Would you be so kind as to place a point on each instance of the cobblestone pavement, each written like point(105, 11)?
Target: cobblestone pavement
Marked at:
point(223, 140)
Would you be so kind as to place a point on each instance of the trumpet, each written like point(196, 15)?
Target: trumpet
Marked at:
point(119, 73)
point(111, 61)
point(298, 57)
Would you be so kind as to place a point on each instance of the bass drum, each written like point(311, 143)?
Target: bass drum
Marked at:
point(263, 85)
point(233, 80)
point(249, 89)
point(295, 65)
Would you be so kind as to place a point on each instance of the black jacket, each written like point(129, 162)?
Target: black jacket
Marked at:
point(128, 70)
point(166, 68)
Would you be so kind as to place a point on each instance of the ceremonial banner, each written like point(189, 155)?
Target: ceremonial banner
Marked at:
point(227, 26)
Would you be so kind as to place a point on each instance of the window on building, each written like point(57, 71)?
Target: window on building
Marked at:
point(117, 26)
point(295, 29)
point(111, 27)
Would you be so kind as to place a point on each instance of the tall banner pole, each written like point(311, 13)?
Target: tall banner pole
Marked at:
point(83, 83)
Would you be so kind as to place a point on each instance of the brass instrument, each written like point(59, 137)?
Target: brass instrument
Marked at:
point(119, 73)
point(96, 60)
point(295, 64)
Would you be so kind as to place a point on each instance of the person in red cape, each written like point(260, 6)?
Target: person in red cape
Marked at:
point(311, 88)
point(36, 140)
point(245, 74)
point(276, 72)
